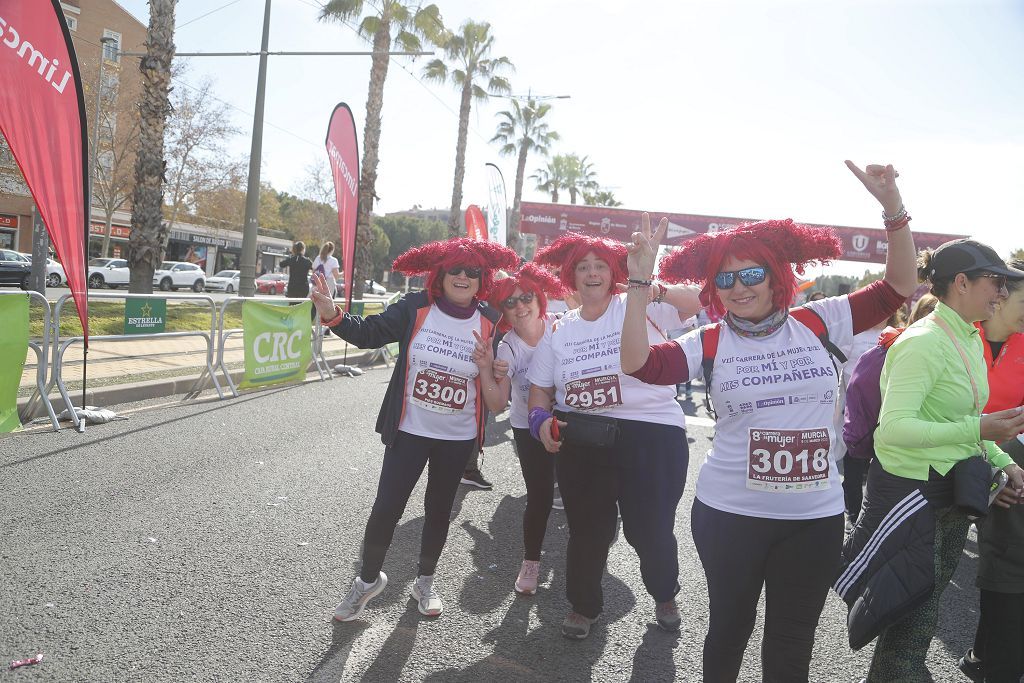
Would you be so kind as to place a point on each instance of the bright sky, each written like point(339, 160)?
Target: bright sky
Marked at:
point(713, 107)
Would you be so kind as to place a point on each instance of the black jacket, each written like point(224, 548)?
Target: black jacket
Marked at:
point(889, 560)
point(1001, 541)
point(298, 275)
point(399, 323)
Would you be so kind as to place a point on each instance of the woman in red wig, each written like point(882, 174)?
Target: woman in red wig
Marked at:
point(431, 416)
point(523, 299)
point(769, 508)
point(617, 439)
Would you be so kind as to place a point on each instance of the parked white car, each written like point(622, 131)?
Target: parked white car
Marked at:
point(110, 272)
point(373, 287)
point(224, 281)
point(173, 275)
point(55, 276)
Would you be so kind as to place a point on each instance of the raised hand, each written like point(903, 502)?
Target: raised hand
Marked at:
point(642, 249)
point(320, 295)
point(880, 181)
point(483, 354)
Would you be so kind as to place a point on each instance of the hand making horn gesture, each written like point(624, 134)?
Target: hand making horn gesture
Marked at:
point(881, 183)
point(642, 250)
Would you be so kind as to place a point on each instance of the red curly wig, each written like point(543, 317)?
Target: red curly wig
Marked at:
point(569, 250)
point(781, 245)
point(530, 278)
point(434, 259)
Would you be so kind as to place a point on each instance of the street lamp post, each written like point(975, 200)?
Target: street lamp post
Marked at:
point(104, 41)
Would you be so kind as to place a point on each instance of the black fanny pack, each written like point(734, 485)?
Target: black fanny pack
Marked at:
point(582, 429)
point(975, 484)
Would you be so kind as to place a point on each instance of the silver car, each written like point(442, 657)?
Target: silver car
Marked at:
point(224, 281)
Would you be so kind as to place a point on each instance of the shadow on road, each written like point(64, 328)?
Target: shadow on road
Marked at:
point(332, 664)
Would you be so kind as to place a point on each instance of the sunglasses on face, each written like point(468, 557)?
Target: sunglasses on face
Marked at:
point(998, 280)
point(526, 298)
point(473, 273)
point(748, 276)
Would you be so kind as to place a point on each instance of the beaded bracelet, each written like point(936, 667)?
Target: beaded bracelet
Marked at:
point(897, 216)
point(640, 283)
point(893, 226)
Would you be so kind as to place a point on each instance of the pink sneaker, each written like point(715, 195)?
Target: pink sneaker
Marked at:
point(526, 582)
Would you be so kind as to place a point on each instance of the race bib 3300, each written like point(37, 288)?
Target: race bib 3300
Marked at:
point(440, 392)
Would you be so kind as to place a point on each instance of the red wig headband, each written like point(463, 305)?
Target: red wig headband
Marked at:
point(530, 278)
point(570, 249)
point(435, 258)
point(781, 245)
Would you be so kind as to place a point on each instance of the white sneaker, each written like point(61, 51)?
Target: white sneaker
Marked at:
point(429, 602)
point(360, 594)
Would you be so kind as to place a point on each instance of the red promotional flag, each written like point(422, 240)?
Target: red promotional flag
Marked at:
point(42, 116)
point(476, 226)
point(343, 151)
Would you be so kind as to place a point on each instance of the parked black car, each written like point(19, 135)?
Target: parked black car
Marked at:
point(14, 270)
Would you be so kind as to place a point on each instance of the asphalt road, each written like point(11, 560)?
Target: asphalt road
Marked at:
point(211, 542)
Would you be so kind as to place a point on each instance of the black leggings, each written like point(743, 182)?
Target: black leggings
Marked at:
point(855, 471)
point(794, 560)
point(403, 464)
point(539, 474)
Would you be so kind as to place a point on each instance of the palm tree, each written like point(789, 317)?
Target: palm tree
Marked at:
point(580, 176)
point(149, 232)
point(521, 131)
point(552, 177)
point(468, 52)
point(601, 198)
point(390, 22)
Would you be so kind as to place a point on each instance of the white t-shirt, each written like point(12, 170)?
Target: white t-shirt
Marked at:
point(580, 359)
point(775, 442)
point(440, 387)
point(557, 306)
point(518, 354)
point(330, 265)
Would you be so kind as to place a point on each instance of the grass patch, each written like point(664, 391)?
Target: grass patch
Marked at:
point(107, 318)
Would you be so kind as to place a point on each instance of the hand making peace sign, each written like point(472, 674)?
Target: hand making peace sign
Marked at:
point(881, 183)
point(643, 249)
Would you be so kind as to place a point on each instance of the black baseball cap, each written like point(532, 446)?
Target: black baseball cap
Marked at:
point(968, 256)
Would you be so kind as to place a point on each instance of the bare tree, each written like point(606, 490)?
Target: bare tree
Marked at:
point(198, 128)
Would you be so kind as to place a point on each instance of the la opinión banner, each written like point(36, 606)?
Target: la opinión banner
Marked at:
point(550, 221)
point(277, 343)
point(42, 116)
point(13, 348)
point(343, 153)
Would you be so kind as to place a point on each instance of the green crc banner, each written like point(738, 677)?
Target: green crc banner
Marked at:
point(277, 343)
point(13, 349)
point(145, 316)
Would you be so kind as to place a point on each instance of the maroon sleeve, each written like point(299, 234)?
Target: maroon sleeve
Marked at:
point(873, 304)
point(666, 364)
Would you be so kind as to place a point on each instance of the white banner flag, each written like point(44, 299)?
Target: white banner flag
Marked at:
point(497, 207)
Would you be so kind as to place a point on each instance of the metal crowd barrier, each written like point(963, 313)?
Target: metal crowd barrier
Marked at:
point(322, 368)
point(59, 347)
point(42, 350)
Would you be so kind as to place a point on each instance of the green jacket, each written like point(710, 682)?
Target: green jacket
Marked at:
point(928, 418)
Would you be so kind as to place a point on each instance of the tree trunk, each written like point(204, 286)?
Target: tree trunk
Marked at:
point(371, 157)
point(514, 238)
point(572, 195)
point(455, 217)
point(145, 247)
point(554, 196)
point(105, 252)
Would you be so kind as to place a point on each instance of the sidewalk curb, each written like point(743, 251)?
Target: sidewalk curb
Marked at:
point(158, 388)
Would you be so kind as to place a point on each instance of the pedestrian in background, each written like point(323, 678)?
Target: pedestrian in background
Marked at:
point(432, 416)
point(326, 264)
point(298, 271)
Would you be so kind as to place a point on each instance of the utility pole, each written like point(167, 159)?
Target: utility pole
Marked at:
point(247, 276)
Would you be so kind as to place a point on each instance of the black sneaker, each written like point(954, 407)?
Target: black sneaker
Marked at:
point(972, 668)
point(476, 478)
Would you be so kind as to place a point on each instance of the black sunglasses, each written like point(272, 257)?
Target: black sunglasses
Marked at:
point(470, 272)
point(525, 297)
point(748, 276)
point(998, 280)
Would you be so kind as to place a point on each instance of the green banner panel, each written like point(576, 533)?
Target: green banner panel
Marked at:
point(277, 343)
point(145, 316)
point(13, 348)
